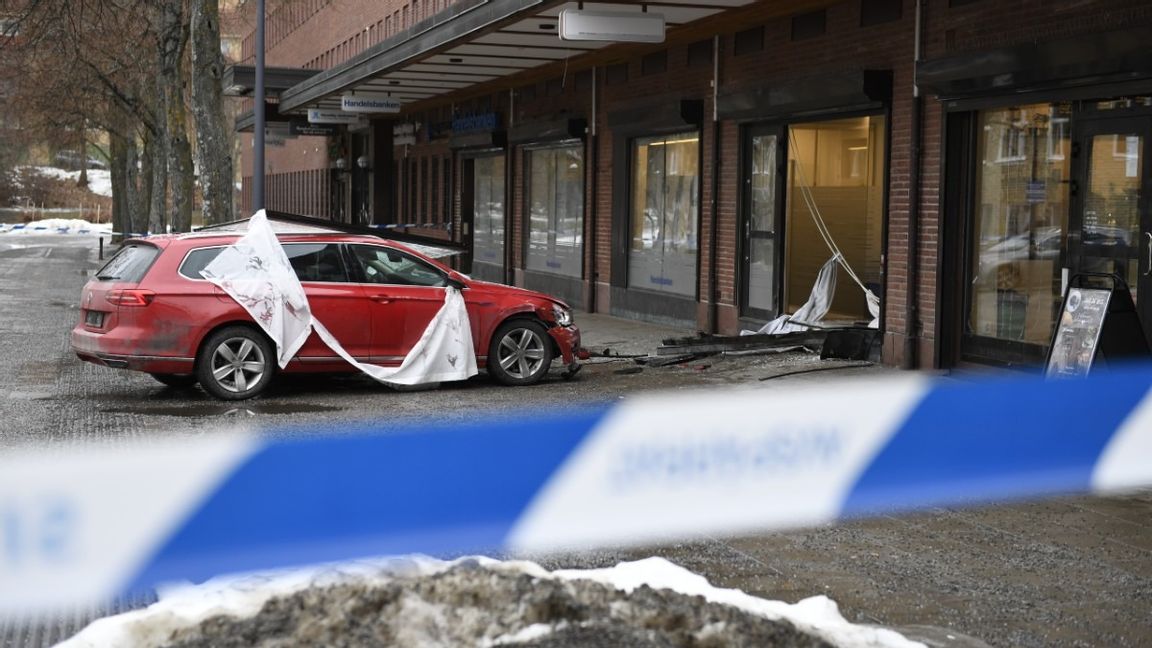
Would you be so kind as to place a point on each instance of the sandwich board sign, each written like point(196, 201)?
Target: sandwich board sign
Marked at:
point(1096, 326)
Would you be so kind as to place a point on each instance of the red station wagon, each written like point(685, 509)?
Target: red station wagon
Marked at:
point(148, 309)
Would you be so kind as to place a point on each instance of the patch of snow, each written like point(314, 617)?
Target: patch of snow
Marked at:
point(99, 180)
point(57, 226)
point(530, 633)
point(184, 606)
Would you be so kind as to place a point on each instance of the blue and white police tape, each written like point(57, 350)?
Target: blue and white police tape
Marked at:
point(79, 526)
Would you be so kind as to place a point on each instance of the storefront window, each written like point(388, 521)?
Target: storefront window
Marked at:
point(556, 210)
point(664, 213)
point(836, 188)
point(488, 234)
point(1022, 215)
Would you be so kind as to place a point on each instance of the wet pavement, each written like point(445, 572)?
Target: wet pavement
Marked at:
point(1066, 572)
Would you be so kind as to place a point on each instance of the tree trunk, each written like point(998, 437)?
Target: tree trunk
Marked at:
point(174, 37)
point(132, 182)
point(148, 170)
point(213, 135)
point(158, 205)
point(121, 221)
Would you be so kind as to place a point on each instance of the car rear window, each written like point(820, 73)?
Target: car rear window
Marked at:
point(197, 260)
point(130, 264)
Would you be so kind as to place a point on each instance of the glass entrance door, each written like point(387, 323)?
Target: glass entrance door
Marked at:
point(483, 212)
point(1112, 211)
point(761, 214)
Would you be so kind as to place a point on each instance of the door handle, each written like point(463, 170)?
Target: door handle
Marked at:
point(1148, 268)
point(382, 299)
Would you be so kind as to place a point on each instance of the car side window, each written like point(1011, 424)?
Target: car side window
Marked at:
point(317, 261)
point(382, 265)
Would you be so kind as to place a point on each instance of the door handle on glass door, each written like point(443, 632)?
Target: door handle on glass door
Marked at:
point(1148, 268)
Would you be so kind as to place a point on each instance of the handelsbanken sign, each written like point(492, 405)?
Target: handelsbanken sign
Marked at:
point(353, 103)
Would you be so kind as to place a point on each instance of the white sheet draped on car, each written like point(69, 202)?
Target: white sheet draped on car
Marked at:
point(256, 273)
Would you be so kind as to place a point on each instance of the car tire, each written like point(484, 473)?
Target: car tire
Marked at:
point(235, 363)
point(177, 381)
point(520, 353)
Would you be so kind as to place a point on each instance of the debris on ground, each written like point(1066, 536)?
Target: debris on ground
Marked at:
point(821, 367)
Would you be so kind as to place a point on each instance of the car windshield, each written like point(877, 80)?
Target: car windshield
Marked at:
point(129, 264)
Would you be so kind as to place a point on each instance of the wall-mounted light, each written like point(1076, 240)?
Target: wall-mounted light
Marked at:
point(362, 162)
point(341, 164)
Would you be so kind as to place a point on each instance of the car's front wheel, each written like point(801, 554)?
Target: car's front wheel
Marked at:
point(520, 353)
point(235, 363)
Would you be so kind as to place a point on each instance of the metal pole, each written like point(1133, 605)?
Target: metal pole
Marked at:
point(258, 95)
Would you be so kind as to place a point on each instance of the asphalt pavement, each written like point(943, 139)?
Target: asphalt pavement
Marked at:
point(1065, 572)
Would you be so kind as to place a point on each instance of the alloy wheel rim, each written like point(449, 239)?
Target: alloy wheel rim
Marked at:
point(521, 353)
point(237, 364)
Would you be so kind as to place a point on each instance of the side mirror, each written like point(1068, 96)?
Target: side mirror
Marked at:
point(455, 283)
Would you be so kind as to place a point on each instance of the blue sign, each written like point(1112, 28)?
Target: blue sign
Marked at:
point(473, 123)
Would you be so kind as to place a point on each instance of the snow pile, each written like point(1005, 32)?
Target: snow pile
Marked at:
point(99, 180)
point(420, 601)
point(56, 226)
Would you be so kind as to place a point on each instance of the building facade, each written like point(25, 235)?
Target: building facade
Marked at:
point(964, 158)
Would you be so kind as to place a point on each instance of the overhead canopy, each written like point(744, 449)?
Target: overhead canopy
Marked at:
point(476, 42)
point(240, 80)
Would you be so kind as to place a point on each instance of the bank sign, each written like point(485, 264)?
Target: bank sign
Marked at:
point(352, 103)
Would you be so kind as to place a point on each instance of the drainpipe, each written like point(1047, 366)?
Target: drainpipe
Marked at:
point(593, 155)
point(713, 289)
point(912, 310)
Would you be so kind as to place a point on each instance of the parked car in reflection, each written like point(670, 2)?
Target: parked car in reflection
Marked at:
point(148, 309)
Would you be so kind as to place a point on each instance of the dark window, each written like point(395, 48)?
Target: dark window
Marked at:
point(700, 53)
point(876, 12)
point(527, 93)
point(316, 261)
point(583, 81)
point(197, 260)
point(382, 265)
point(425, 213)
point(749, 40)
point(410, 208)
point(809, 25)
point(616, 74)
point(129, 264)
point(402, 194)
point(654, 63)
point(554, 87)
point(447, 189)
point(433, 212)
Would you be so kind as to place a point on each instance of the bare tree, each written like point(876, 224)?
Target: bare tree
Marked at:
point(173, 41)
point(213, 135)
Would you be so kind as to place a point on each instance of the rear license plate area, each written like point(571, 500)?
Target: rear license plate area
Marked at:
point(94, 319)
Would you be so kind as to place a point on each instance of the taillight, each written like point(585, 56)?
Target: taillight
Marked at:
point(130, 297)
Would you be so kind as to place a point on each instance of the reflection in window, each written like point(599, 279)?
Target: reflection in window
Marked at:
point(761, 242)
point(1020, 224)
point(387, 266)
point(664, 213)
point(316, 261)
point(556, 210)
point(488, 225)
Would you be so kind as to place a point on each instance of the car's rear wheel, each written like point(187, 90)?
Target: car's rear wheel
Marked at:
point(520, 353)
point(235, 363)
point(179, 381)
